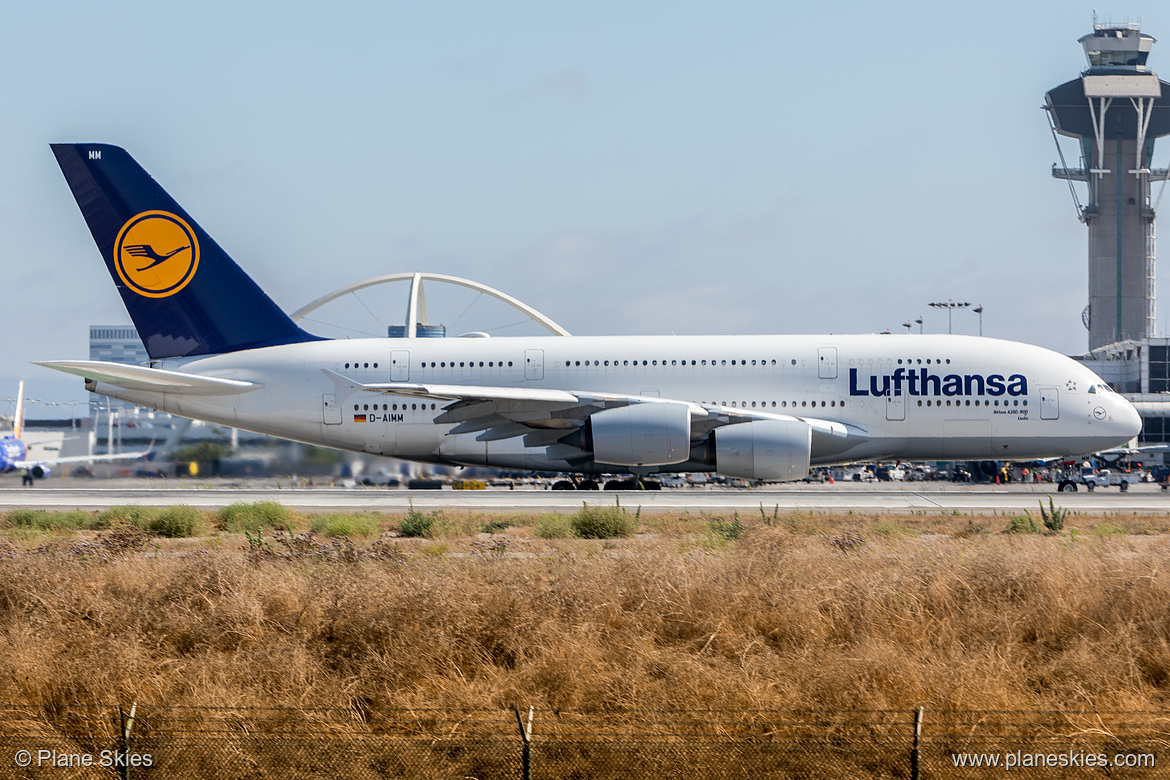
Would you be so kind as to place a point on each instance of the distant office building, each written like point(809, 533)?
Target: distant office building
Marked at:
point(421, 331)
point(115, 344)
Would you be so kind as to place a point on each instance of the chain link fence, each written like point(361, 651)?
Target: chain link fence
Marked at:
point(153, 741)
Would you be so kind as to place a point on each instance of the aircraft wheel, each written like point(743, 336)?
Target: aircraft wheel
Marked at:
point(588, 484)
point(564, 484)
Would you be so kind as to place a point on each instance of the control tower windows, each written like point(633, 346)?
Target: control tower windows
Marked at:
point(1106, 59)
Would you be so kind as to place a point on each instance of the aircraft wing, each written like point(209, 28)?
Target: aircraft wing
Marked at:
point(153, 379)
point(1134, 450)
point(542, 416)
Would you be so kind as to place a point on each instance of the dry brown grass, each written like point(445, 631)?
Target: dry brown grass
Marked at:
point(806, 611)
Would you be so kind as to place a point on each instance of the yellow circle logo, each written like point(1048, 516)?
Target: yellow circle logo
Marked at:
point(156, 254)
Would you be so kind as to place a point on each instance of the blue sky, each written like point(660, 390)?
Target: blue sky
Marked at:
point(666, 167)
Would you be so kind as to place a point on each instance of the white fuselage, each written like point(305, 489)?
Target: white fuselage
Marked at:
point(908, 397)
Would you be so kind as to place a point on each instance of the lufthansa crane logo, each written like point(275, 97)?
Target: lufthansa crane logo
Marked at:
point(156, 254)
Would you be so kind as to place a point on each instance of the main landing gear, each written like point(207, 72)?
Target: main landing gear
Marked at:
point(633, 484)
point(585, 484)
point(613, 484)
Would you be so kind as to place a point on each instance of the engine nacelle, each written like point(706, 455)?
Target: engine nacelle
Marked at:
point(650, 434)
point(39, 472)
point(776, 450)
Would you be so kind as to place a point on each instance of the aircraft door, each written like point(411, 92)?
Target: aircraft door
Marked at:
point(534, 364)
point(895, 406)
point(330, 410)
point(1049, 403)
point(827, 362)
point(399, 365)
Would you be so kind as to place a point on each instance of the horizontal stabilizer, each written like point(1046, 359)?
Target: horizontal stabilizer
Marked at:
point(153, 379)
point(28, 464)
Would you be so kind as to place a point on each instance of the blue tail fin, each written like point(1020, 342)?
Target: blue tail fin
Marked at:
point(184, 294)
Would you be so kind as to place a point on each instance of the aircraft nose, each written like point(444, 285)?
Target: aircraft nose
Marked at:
point(1128, 421)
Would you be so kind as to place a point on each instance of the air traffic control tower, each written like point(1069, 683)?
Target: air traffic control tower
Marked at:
point(1115, 109)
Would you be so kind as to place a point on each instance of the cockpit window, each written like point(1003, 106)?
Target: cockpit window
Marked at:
point(1092, 388)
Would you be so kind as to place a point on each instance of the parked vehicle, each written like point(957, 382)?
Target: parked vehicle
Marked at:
point(1093, 478)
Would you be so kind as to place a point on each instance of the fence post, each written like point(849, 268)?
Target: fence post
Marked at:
point(126, 724)
point(526, 749)
point(915, 762)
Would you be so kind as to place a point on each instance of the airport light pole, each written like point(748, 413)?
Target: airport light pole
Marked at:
point(950, 306)
point(979, 310)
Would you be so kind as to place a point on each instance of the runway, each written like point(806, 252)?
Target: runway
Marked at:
point(842, 497)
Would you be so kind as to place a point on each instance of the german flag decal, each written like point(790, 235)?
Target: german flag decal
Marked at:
point(359, 418)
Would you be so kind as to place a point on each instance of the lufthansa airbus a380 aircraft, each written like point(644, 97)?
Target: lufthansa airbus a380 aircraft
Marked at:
point(753, 407)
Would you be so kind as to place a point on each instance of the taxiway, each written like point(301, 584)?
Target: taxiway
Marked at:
point(842, 497)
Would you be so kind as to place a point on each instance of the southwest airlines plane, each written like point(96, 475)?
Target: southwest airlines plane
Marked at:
point(752, 407)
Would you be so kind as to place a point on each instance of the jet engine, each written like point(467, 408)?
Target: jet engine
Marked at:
point(650, 434)
point(775, 450)
point(39, 471)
